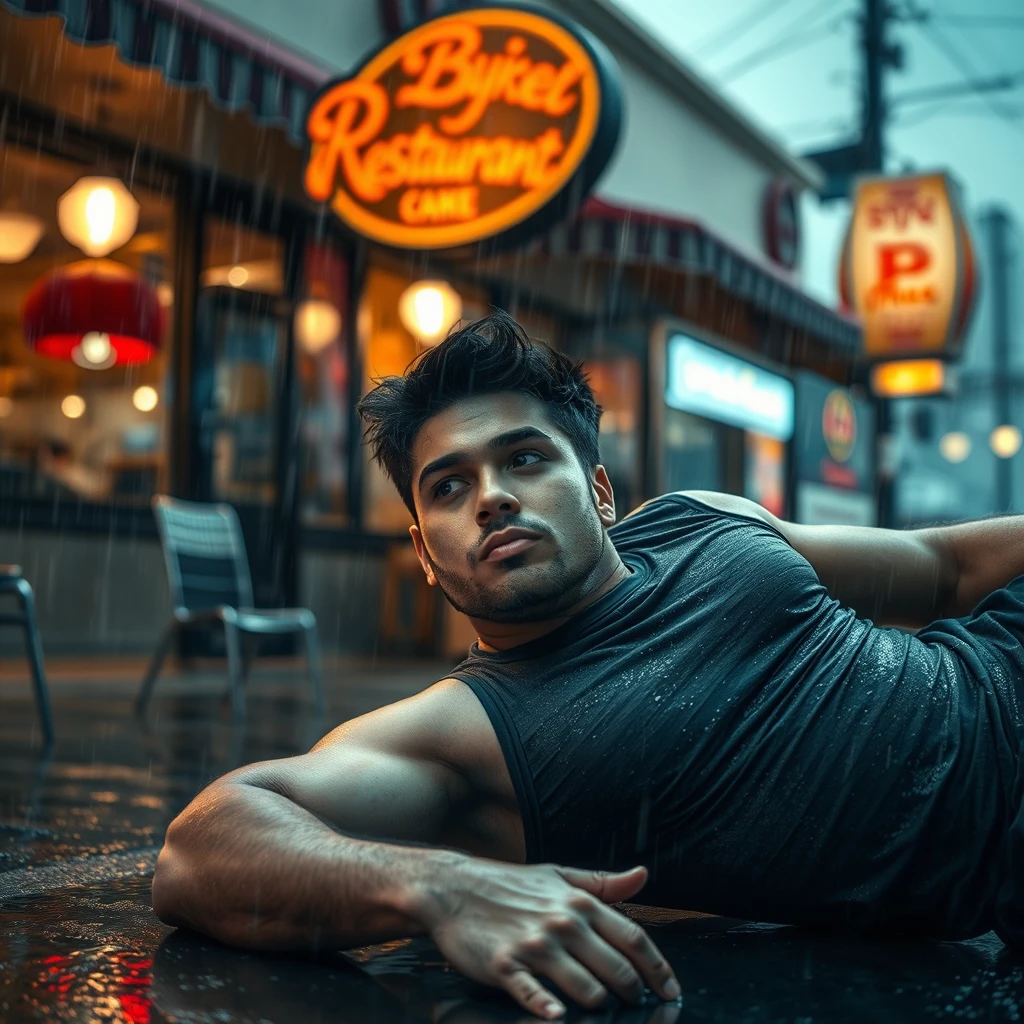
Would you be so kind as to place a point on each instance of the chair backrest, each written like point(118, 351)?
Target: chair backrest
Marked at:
point(205, 554)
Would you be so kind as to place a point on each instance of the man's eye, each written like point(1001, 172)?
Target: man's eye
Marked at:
point(445, 488)
point(521, 459)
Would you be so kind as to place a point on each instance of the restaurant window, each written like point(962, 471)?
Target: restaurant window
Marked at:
point(243, 330)
point(86, 309)
point(322, 361)
point(388, 348)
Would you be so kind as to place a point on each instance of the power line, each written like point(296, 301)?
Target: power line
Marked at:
point(966, 68)
point(735, 30)
point(784, 43)
point(978, 21)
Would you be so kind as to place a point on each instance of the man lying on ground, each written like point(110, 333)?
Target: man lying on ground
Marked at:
point(691, 708)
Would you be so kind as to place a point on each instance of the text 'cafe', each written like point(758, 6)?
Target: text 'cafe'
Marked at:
point(297, 233)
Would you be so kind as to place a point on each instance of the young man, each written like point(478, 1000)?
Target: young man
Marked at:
point(690, 707)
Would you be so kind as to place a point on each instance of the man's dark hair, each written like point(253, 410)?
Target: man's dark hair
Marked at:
point(490, 355)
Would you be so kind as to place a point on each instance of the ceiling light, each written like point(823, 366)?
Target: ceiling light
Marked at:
point(237, 276)
point(94, 351)
point(317, 324)
point(428, 310)
point(145, 398)
point(73, 406)
point(19, 235)
point(98, 215)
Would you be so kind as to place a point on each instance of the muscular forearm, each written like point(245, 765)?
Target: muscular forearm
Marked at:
point(988, 554)
point(250, 867)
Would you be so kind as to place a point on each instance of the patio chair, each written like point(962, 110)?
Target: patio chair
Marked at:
point(208, 572)
point(13, 582)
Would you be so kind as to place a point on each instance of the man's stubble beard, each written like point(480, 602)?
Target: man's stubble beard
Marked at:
point(562, 587)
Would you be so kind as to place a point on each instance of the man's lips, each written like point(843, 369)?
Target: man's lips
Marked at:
point(506, 543)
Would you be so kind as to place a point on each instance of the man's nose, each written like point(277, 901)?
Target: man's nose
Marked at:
point(494, 500)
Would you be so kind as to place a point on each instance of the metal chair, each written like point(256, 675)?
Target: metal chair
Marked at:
point(13, 582)
point(208, 572)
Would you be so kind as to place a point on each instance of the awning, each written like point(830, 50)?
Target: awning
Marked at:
point(194, 47)
point(627, 235)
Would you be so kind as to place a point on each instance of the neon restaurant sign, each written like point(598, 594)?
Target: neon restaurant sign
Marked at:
point(487, 123)
point(908, 267)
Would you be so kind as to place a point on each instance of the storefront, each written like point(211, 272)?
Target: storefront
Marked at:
point(268, 315)
point(833, 455)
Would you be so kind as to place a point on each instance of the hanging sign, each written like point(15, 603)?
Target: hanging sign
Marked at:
point(908, 266)
point(485, 123)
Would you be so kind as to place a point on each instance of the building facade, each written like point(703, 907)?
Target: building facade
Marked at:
point(677, 282)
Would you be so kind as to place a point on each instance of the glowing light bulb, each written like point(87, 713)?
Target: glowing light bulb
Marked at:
point(1005, 441)
point(955, 446)
point(100, 211)
point(429, 308)
point(73, 407)
point(145, 398)
point(95, 347)
point(237, 276)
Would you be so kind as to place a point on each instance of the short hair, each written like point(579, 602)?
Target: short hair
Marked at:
point(485, 357)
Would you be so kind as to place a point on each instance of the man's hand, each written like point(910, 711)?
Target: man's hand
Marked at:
point(505, 924)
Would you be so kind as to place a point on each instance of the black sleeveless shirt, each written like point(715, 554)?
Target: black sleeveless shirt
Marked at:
point(767, 754)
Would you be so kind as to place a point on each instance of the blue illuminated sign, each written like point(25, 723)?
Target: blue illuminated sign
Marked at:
point(711, 383)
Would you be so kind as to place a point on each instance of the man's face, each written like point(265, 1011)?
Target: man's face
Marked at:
point(511, 527)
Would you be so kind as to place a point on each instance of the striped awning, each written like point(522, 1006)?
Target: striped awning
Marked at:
point(194, 47)
point(631, 236)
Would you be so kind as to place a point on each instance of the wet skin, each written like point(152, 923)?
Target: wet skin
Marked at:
point(497, 463)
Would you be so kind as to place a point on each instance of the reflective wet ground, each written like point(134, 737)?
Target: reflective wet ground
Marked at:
point(80, 827)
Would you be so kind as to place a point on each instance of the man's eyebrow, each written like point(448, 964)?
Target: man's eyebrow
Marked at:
point(510, 437)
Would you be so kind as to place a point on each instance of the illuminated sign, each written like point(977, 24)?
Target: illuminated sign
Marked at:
point(908, 266)
point(711, 383)
point(481, 123)
point(839, 425)
point(910, 377)
point(834, 440)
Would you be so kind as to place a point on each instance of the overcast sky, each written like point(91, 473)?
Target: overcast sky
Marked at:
point(793, 66)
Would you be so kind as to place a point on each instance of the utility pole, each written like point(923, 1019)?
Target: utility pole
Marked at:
point(875, 60)
point(1000, 258)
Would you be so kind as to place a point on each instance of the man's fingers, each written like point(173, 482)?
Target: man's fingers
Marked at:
point(608, 965)
point(531, 995)
point(572, 978)
point(610, 887)
point(636, 945)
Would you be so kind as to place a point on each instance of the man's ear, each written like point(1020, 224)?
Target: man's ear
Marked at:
point(604, 496)
point(421, 554)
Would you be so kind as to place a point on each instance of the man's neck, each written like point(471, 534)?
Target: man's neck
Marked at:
point(500, 636)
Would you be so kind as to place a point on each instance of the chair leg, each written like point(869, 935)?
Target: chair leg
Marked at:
point(315, 668)
point(156, 663)
point(233, 643)
point(34, 649)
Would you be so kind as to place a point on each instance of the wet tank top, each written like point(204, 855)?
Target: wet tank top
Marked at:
point(767, 754)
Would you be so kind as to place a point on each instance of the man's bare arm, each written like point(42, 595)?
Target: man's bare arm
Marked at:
point(906, 577)
point(269, 857)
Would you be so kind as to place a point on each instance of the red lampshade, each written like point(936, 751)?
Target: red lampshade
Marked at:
point(93, 297)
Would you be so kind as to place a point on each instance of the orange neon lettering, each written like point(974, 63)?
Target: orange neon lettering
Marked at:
point(450, 69)
point(337, 132)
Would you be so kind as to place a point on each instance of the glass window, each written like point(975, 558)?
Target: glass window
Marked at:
point(323, 374)
point(242, 334)
point(692, 456)
point(86, 308)
point(388, 348)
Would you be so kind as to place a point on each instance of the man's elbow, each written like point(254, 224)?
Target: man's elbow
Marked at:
point(170, 882)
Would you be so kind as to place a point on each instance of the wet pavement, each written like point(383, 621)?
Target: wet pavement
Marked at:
point(80, 827)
